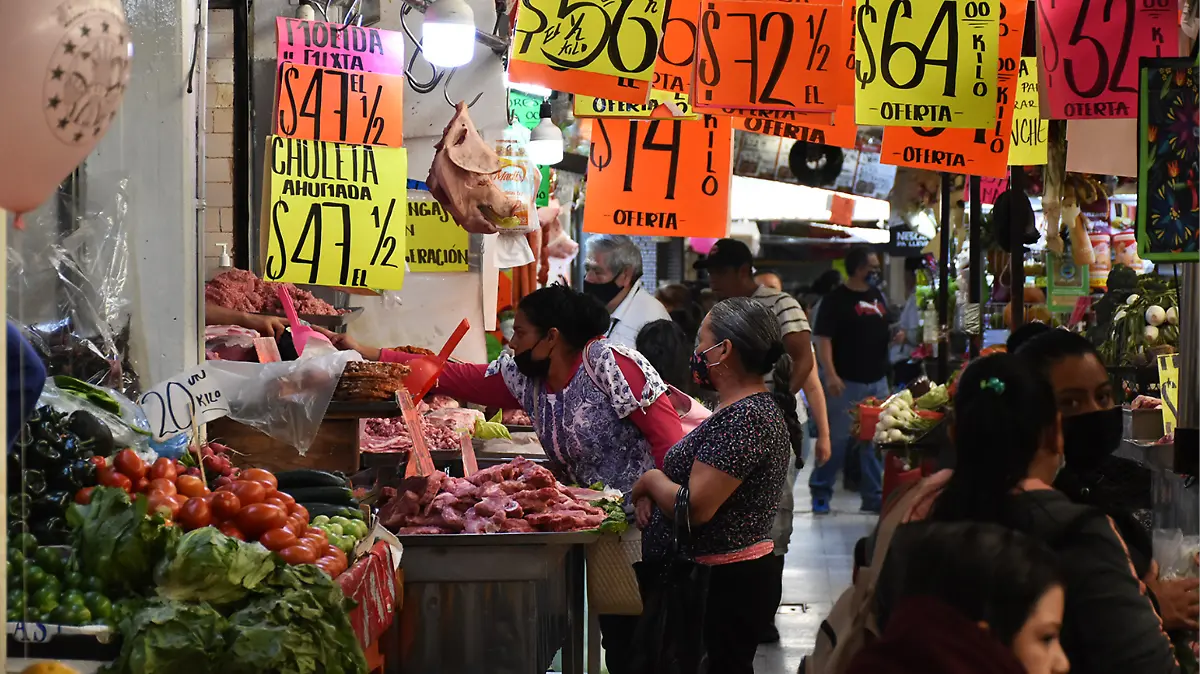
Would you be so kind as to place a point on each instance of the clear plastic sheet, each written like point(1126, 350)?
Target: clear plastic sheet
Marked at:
point(285, 400)
point(69, 285)
point(121, 426)
point(1176, 525)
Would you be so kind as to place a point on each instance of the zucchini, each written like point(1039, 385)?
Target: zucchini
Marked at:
point(335, 495)
point(304, 478)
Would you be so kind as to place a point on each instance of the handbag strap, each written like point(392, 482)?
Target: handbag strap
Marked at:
point(681, 527)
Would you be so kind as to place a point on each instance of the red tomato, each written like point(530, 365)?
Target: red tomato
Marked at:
point(108, 477)
point(164, 485)
point(297, 524)
point(190, 485)
point(311, 545)
point(259, 475)
point(163, 503)
point(98, 462)
point(225, 504)
point(84, 496)
point(230, 529)
point(163, 469)
point(278, 539)
point(298, 554)
point(195, 514)
point(327, 566)
point(257, 518)
point(317, 536)
point(285, 497)
point(249, 492)
point(278, 503)
point(299, 511)
point(141, 485)
point(130, 464)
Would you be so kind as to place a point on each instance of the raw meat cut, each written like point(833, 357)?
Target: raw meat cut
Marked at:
point(520, 496)
point(516, 418)
point(391, 435)
point(461, 177)
point(241, 290)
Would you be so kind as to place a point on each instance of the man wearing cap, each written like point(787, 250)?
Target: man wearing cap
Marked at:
point(730, 269)
point(614, 273)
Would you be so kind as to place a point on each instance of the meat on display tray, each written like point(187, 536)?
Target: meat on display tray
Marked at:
point(325, 321)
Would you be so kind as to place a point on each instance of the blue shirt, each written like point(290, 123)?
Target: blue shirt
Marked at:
point(26, 377)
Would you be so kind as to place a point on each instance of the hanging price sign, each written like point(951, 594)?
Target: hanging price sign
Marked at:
point(659, 177)
point(1090, 53)
point(1029, 132)
point(609, 37)
point(662, 105)
point(981, 152)
point(435, 242)
point(800, 126)
point(339, 106)
point(672, 70)
point(336, 214)
point(772, 56)
point(927, 63)
point(330, 45)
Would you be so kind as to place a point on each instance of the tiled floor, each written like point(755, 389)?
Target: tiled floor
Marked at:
point(817, 569)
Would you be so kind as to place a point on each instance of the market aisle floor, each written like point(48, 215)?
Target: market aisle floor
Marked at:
point(817, 570)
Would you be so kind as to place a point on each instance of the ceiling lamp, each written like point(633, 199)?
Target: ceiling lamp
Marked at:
point(448, 33)
point(546, 140)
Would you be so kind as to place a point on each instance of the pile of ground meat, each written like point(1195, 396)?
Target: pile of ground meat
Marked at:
point(240, 290)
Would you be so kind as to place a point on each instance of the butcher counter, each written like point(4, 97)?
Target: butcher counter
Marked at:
point(501, 603)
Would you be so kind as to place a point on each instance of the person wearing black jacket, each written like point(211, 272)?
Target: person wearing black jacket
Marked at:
point(1008, 432)
point(1092, 428)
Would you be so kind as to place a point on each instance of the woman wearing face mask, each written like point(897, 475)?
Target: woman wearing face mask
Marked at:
point(734, 465)
point(601, 421)
point(967, 597)
point(1008, 432)
point(1092, 429)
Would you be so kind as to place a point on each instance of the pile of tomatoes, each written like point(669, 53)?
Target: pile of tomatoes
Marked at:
point(249, 509)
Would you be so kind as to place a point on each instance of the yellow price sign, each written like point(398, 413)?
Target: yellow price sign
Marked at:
point(609, 37)
point(1029, 132)
point(435, 242)
point(927, 63)
point(1168, 388)
point(334, 214)
point(662, 105)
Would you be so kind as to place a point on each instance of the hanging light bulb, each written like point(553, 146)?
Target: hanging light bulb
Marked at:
point(546, 140)
point(448, 34)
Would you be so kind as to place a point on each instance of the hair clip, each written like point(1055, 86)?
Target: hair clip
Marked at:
point(994, 384)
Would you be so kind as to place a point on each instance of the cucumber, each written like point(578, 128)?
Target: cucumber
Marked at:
point(315, 510)
point(304, 478)
point(336, 495)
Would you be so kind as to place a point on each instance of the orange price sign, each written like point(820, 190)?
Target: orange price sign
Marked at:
point(837, 129)
point(979, 152)
point(659, 177)
point(771, 55)
point(339, 106)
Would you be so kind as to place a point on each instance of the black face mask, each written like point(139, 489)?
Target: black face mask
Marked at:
point(528, 366)
point(1090, 438)
point(605, 292)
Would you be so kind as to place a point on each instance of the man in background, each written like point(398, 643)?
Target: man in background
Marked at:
point(614, 272)
point(730, 267)
point(769, 279)
point(853, 334)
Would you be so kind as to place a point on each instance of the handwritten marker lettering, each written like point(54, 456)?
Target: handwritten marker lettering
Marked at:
point(328, 45)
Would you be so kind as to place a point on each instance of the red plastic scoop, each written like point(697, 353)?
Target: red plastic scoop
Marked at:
point(426, 369)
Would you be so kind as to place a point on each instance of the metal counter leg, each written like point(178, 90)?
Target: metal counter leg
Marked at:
point(572, 661)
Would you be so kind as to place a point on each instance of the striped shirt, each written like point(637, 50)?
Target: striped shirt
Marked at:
point(786, 309)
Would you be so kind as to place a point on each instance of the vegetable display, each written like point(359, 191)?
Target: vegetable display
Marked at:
point(45, 584)
point(900, 423)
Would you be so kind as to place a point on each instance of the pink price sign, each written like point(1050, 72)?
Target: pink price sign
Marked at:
point(329, 45)
point(991, 188)
point(1090, 53)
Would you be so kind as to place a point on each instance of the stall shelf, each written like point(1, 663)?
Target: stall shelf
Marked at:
point(496, 603)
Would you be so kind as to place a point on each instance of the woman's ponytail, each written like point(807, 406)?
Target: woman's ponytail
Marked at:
point(781, 380)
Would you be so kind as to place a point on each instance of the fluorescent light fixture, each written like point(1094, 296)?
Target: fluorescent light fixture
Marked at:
point(531, 89)
point(448, 34)
point(546, 140)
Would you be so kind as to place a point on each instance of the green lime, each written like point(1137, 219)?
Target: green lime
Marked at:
point(78, 615)
point(26, 543)
point(15, 615)
point(32, 615)
point(44, 600)
point(35, 577)
point(16, 599)
point(72, 598)
point(50, 559)
point(92, 584)
point(73, 580)
point(60, 615)
point(52, 583)
point(99, 605)
point(16, 558)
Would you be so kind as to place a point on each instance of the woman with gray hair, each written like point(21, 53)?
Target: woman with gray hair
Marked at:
point(734, 466)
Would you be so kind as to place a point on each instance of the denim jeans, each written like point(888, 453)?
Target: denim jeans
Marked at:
point(842, 444)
